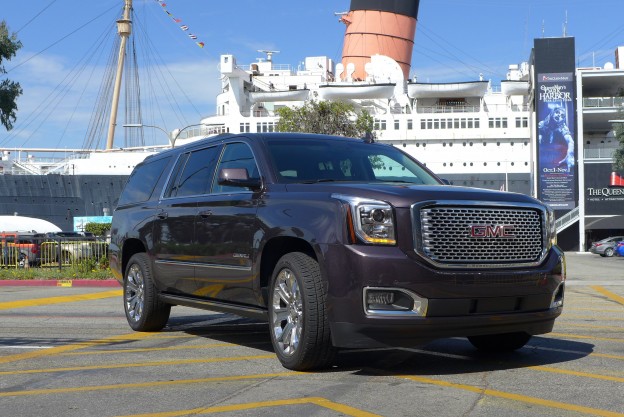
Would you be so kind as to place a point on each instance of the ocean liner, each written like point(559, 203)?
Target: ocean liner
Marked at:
point(471, 133)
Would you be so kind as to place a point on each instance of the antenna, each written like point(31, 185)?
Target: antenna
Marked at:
point(268, 53)
point(542, 28)
point(565, 25)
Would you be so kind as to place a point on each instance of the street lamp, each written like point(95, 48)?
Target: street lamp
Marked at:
point(181, 130)
point(172, 140)
point(155, 127)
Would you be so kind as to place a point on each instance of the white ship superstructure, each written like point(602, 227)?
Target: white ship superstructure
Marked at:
point(468, 132)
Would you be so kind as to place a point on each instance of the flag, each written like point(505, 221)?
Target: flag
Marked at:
point(192, 36)
point(184, 27)
point(200, 44)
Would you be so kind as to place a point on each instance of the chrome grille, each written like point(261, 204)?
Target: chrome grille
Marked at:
point(481, 236)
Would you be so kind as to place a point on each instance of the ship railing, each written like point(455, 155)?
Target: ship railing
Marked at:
point(603, 102)
point(448, 109)
point(599, 153)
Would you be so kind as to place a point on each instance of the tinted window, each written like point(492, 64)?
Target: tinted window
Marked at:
point(312, 160)
point(236, 155)
point(197, 173)
point(141, 183)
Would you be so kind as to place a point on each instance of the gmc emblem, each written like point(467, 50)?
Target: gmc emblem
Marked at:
point(479, 231)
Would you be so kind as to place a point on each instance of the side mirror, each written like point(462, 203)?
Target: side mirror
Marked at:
point(238, 177)
point(445, 181)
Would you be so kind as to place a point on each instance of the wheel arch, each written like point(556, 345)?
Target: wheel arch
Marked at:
point(273, 250)
point(130, 247)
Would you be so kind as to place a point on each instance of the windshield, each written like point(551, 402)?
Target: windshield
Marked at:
point(317, 160)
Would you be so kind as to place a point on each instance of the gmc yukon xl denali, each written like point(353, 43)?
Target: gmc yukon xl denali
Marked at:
point(337, 243)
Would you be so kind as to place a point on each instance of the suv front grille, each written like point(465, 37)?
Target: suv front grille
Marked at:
point(481, 236)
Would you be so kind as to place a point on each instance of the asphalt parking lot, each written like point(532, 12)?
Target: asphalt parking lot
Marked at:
point(68, 351)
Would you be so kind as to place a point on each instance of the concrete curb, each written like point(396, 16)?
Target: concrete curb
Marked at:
point(59, 283)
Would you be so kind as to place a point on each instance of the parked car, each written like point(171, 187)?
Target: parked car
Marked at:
point(337, 243)
point(619, 249)
point(605, 247)
point(70, 246)
point(20, 248)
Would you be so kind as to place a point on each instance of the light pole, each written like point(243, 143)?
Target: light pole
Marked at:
point(155, 127)
point(173, 140)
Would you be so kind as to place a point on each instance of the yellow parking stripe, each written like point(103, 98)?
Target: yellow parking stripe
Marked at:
point(578, 336)
point(576, 373)
point(142, 384)
point(517, 397)
point(75, 346)
point(321, 402)
point(608, 294)
point(138, 365)
point(36, 302)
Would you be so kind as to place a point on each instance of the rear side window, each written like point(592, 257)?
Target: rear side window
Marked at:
point(141, 183)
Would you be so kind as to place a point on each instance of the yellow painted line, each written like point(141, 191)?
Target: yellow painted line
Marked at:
point(576, 373)
point(36, 302)
point(66, 348)
point(578, 336)
point(517, 397)
point(597, 310)
point(138, 365)
point(592, 326)
point(137, 385)
point(608, 294)
point(321, 402)
point(573, 317)
point(136, 350)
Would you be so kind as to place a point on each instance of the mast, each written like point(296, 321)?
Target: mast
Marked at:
point(124, 28)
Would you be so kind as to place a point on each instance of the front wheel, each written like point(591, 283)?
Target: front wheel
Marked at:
point(298, 314)
point(145, 312)
point(506, 342)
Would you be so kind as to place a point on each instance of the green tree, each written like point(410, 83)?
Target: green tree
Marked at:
point(98, 229)
point(326, 117)
point(9, 90)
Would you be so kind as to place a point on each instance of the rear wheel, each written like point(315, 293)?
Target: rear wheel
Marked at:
point(298, 314)
point(506, 342)
point(145, 311)
point(609, 252)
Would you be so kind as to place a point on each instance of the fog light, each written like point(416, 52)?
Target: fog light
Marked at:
point(379, 297)
point(393, 302)
point(557, 299)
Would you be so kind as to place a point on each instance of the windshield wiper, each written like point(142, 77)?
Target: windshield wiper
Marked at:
point(318, 180)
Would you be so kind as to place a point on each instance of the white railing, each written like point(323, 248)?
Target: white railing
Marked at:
point(567, 220)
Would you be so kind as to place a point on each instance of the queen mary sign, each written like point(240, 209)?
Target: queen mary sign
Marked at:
point(556, 140)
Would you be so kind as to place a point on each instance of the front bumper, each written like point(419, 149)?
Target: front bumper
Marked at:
point(460, 302)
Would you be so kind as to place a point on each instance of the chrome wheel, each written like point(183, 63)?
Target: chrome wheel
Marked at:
point(135, 293)
point(287, 312)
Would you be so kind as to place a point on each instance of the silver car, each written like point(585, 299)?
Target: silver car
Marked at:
point(606, 247)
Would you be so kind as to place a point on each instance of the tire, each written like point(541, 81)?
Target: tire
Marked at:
point(145, 311)
point(298, 314)
point(609, 252)
point(506, 342)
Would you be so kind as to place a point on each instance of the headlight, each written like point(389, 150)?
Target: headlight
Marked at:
point(551, 228)
point(371, 220)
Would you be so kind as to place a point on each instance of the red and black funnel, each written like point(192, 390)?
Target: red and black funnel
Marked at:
point(384, 27)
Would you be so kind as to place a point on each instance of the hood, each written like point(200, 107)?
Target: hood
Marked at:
point(405, 195)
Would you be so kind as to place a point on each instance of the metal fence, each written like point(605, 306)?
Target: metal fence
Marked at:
point(50, 253)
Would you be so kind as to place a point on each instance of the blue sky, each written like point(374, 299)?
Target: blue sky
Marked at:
point(456, 40)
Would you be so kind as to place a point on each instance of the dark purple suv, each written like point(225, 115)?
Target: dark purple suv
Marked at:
point(337, 243)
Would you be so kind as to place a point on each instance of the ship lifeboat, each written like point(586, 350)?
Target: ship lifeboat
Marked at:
point(447, 90)
point(355, 90)
point(515, 88)
point(279, 95)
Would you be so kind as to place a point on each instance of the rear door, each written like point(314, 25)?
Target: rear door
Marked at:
point(224, 232)
point(174, 228)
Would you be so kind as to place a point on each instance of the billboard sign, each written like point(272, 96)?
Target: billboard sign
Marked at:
point(556, 139)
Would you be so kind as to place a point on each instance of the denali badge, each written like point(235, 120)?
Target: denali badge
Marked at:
point(492, 231)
